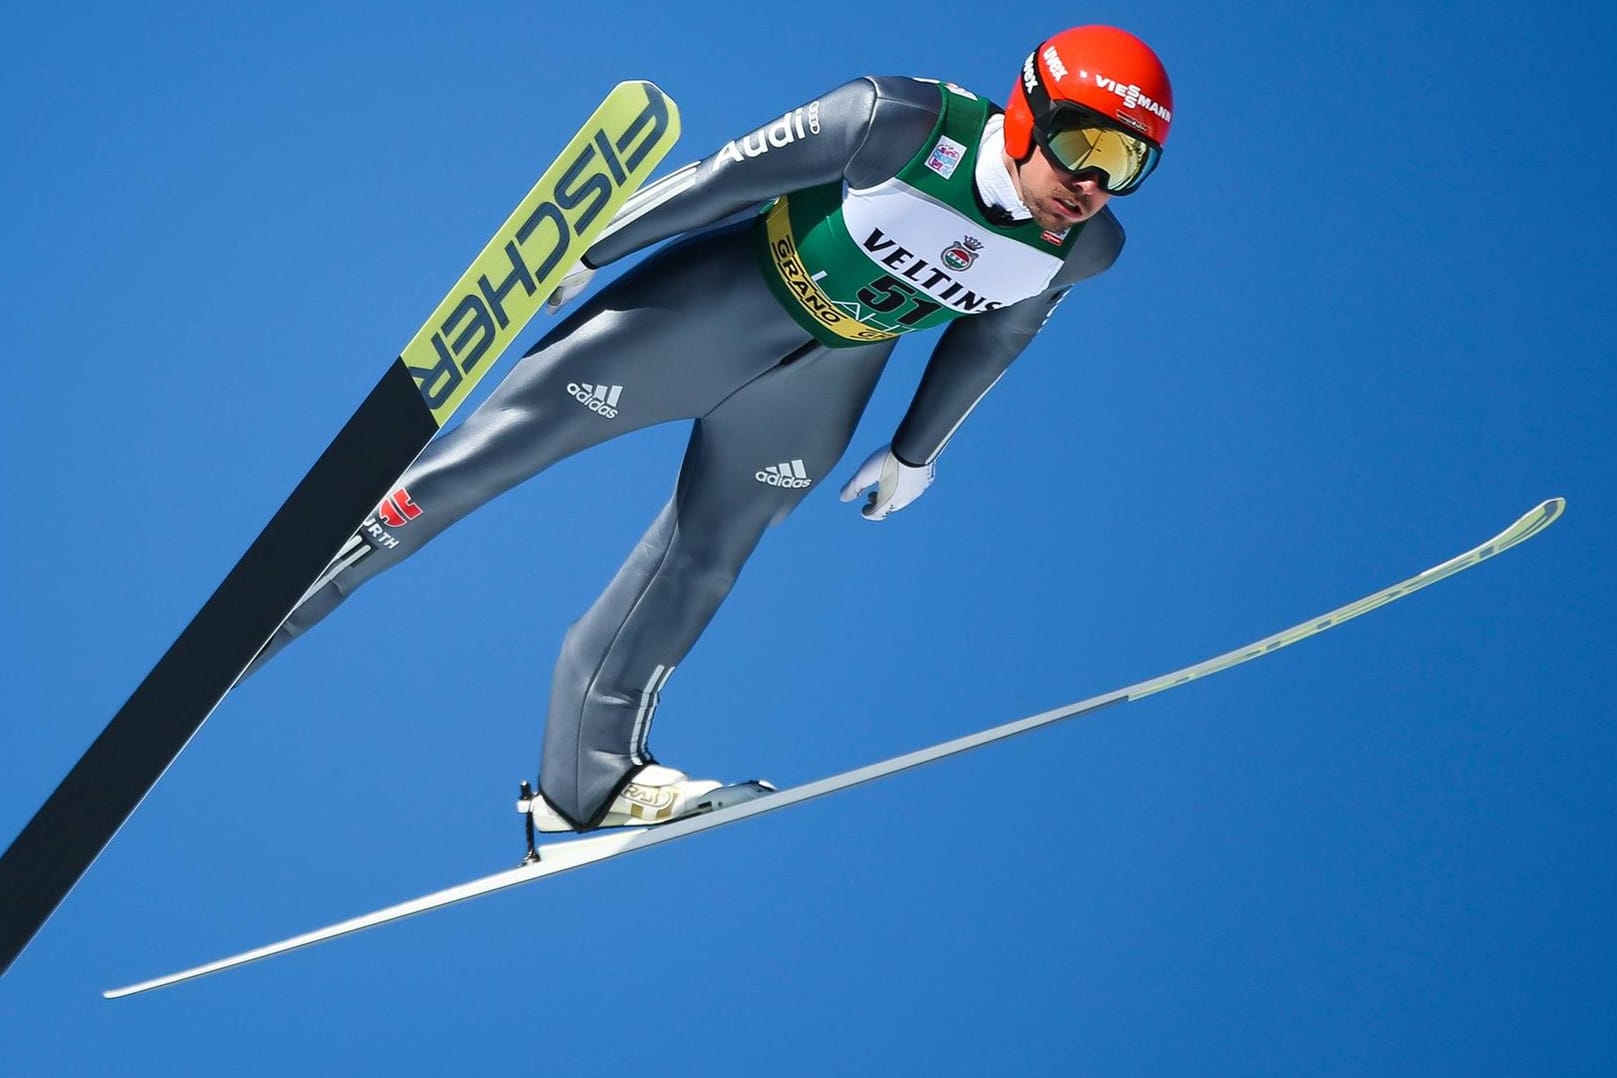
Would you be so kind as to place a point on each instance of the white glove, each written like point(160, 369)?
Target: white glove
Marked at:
point(577, 279)
point(896, 484)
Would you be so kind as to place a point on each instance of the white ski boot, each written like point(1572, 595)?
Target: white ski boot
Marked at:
point(658, 794)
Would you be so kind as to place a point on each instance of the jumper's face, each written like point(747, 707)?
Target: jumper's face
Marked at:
point(1058, 199)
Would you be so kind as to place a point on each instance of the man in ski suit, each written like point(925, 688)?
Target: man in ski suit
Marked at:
point(891, 204)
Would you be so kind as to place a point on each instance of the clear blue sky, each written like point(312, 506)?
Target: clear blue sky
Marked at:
point(1365, 318)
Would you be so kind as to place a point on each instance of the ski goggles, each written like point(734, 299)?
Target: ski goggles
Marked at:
point(1080, 141)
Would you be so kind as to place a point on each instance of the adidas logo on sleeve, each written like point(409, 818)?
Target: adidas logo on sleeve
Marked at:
point(789, 474)
point(602, 400)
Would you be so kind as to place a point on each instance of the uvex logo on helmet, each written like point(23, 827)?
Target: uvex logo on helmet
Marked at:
point(1099, 68)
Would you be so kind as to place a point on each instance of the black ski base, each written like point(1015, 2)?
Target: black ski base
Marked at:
point(102, 790)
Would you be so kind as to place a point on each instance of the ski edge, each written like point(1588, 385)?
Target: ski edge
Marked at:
point(559, 857)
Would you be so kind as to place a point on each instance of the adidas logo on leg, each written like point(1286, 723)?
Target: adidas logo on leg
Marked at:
point(602, 400)
point(789, 474)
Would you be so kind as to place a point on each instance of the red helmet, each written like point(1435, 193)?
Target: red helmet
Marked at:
point(1095, 77)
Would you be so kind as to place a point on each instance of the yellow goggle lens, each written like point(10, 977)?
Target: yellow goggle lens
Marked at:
point(1125, 159)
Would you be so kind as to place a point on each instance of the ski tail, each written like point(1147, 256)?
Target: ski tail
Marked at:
point(615, 151)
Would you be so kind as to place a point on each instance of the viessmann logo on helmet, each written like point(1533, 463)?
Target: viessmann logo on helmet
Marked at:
point(1133, 97)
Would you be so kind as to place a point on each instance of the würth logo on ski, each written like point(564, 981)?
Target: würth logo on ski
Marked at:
point(602, 400)
point(398, 509)
point(789, 474)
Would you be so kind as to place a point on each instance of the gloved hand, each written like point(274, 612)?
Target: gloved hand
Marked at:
point(577, 279)
point(896, 484)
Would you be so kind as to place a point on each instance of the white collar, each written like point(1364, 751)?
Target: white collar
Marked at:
point(994, 182)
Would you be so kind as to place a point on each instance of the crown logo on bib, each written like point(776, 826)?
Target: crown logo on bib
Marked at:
point(962, 253)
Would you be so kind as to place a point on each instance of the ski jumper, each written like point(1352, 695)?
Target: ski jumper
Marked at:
point(770, 332)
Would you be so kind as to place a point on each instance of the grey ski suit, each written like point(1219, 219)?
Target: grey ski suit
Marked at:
point(693, 332)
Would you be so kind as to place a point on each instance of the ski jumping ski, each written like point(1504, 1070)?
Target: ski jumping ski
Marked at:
point(616, 151)
point(558, 857)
